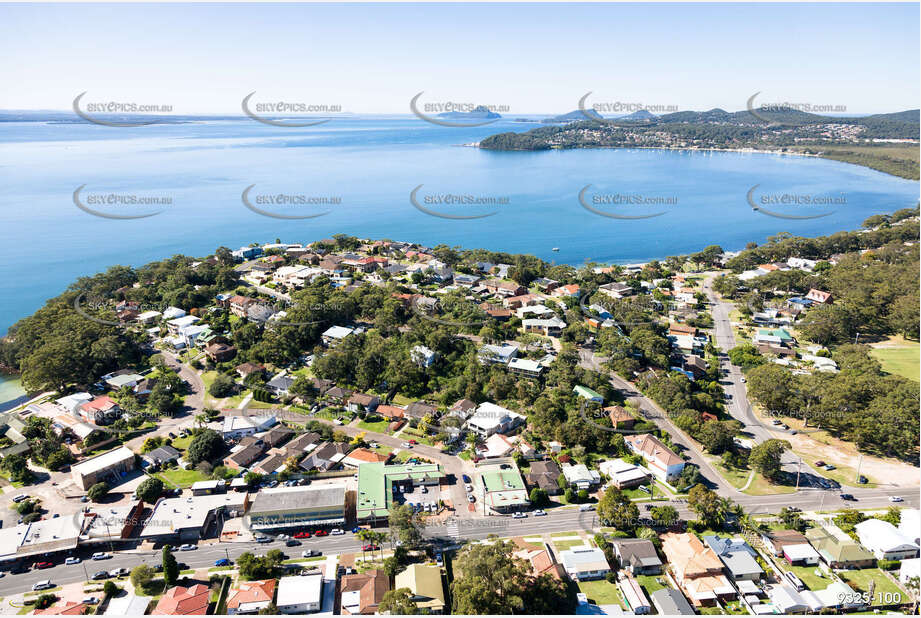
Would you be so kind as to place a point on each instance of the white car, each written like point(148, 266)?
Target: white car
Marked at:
point(72, 560)
point(90, 600)
point(119, 572)
point(101, 555)
point(187, 547)
point(896, 499)
point(337, 531)
point(539, 513)
point(519, 515)
point(468, 487)
point(406, 445)
point(587, 507)
point(43, 585)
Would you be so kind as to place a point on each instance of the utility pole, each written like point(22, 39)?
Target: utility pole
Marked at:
point(859, 461)
point(799, 467)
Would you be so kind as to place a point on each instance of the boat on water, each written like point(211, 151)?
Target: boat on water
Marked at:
point(556, 249)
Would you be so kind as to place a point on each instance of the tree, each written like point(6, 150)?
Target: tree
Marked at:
point(149, 490)
point(205, 446)
point(707, 505)
point(491, 580)
point(404, 526)
point(392, 566)
point(44, 601)
point(398, 602)
point(269, 610)
point(616, 509)
point(110, 588)
point(170, 567)
point(766, 457)
point(98, 491)
point(665, 515)
point(539, 497)
point(223, 386)
point(141, 575)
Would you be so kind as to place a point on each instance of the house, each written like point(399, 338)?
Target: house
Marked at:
point(63, 608)
point(801, 554)
point(72, 403)
point(584, 563)
point(182, 601)
point(277, 435)
point(697, 569)
point(682, 329)
point(127, 605)
point(910, 569)
point(541, 562)
point(462, 408)
point(818, 296)
point(337, 395)
point(334, 334)
point(425, 586)
point(490, 418)
point(303, 443)
point(247, 369)
point(360, 402)
point(419, 410)
point(545, 285)
point(885, 540)
point(161, 455)
point(586, 393)
point(910, 524)
point(670, 602)
point(280, 386)
point(393, 413)
point(549, 327)
point(325, 457)
point(361, 593)
point(300, 594)
point(272, 464)
point(101, 410)
point(544, 475)
point(244, 454)
point(423, 356)
point(251, 597)
point(662, 461)
point(206, 488)
point(490, 354)
point(234, 427)
point(220, 352)
point(496, 445)
point(504, 288)
point(362, 456)
point(786, 600)
point(837, 549)
point(120, 379)
point(738, 557)
point(580, 477)
point(175, 326)
point(620, 418)
point(639, 556)
point(625, 475)
point(572, 291)
point(617, 290)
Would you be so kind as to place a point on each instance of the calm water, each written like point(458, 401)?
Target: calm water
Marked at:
point(372, 164)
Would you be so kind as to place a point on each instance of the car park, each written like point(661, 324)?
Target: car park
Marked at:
point(72, 560)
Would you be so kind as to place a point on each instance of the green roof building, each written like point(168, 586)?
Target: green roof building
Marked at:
point(377, 483)
point(503, 488)
point(587, 393)
point(776, 332)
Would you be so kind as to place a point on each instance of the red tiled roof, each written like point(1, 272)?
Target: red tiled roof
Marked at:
point(252, 592)
point(182, 601)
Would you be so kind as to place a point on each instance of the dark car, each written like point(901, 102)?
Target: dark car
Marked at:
point(292, 543)
point(466, 478)
point(101, 575)
point(848, 497)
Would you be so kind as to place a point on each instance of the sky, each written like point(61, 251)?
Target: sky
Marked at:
point(526, 58)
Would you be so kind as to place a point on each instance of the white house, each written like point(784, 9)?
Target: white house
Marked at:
point(583, 562)
point(490, 418)
point(335, 334)
point(662, 461)
point(423, 356)
point(240, 426)
point(909, 570)
point(300, 594)
point(885, 540)
point(624, 475)
point(175, 326)
point(580, 477)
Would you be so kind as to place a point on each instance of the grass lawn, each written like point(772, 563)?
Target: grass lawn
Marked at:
point(182, 444)
point(737, 478)
point(601, 592)
point(401, 400)
point(886, 589)
point(900, 360)
point(377, 426)
point(650, 583)
point(567, 544)
point(762, 487)
point(809, 577)
point(180, 478)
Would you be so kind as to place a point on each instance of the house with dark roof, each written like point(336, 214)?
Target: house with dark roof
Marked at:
point(249, 450)
point(639, 556)
point(419, 410)
point(325, 457)
point(544, 475)
point(302, 444)
point(161, 455)
point(277, 435)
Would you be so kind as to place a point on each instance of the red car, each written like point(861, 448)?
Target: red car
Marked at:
point(370, 548)
point(413, 442)
point(42, 565)
point(320, 533)
point(302, 535)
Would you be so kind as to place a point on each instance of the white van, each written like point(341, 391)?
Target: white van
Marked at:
point(45, 584)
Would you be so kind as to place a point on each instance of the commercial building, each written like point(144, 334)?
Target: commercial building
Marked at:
point(294, 507)
point(109, 467)
point(188, 519)
point(504, 489)
point(377, 484)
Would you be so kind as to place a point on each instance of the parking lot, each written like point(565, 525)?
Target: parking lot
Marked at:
point(425, 495)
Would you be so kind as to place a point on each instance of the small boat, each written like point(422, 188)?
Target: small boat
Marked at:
point(556, 249)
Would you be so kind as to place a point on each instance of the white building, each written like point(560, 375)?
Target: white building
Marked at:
point(335, 334)
point(580, 477)
point(423, 356)
point(490, 418)
point(885, 540)
point(582, 563)
point(300, 594)
point(240, 426)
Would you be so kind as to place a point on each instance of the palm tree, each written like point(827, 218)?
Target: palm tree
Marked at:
point(201, 420)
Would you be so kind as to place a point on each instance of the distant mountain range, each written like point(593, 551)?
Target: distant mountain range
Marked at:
point(478, 113)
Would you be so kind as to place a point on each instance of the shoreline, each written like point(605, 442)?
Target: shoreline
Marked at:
point(675, 148)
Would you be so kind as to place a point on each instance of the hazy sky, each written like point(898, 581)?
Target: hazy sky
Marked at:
point(531, 58)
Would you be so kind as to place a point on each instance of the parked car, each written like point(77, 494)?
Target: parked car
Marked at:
point(337, 531)
point(302, 535)
point(19, 498)
point(222, 562)
point(188, 547)
point(466, 478)
point(90, 600)
point(848, 497)
point(119, 572)
point(309, 553)
point(471, 498)
point(820, 464)
point(896, 499)
point(263, 539)
point(292, 543)
point(369, 547)
point(587, 507)
point(101, 575)
point(45, 584)
point(539, 513)
point(43, 565)
point(406, 445)
point(796, 581)
point(72, 560)
point(829, 467)
point(101, 555)
point(468, 487)
point(519, 515)
point(413, 442)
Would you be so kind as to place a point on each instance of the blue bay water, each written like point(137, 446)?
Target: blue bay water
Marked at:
point(372, 164)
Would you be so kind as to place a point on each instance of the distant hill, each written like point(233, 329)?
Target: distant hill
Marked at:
point(478, 113)
point(574, 116)
point(640, 114)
